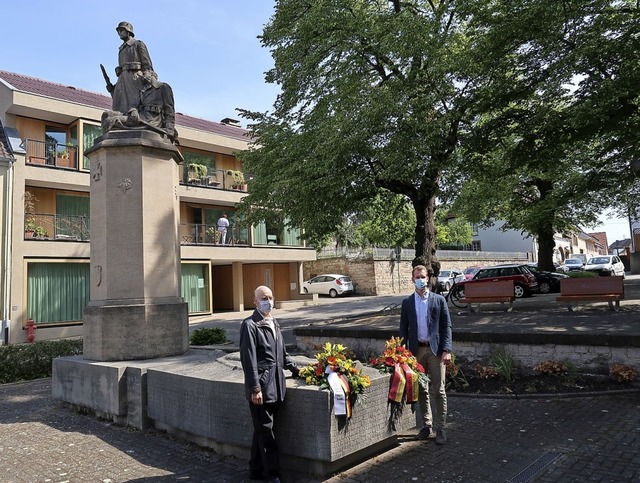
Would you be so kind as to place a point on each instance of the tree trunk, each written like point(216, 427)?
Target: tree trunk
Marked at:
point(546, 244)
point(425, 207)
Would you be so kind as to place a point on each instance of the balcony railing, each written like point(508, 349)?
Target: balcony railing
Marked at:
point(51, 154)
point(202, 234)
point(215, 178)
point(56, 227)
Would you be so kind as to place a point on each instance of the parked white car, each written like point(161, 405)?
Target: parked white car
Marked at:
point(329, 284)
point(605, 265)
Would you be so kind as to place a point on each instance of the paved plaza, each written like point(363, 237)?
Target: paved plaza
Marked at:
point(542, 439)
point(490, 439)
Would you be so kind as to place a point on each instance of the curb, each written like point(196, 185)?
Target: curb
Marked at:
point(552, 395)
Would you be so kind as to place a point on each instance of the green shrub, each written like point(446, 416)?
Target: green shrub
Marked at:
point(208, 336)
point(23, 362)
point(582, 274)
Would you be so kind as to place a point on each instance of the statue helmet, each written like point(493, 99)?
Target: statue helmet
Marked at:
point(127, 26)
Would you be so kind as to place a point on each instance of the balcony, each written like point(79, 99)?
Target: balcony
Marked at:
point(202, 234)
point(205, 177)
point(51, 154)
point(56, 227)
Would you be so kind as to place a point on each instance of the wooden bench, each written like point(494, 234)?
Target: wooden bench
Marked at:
point(489, 292)
point(599, 289)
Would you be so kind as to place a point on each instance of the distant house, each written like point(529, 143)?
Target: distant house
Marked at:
point(620, 247)
point(601, 236)
point(635, 236)
point(496, 239)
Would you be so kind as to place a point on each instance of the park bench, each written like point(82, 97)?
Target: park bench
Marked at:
point(489, 292)
point(602, 289)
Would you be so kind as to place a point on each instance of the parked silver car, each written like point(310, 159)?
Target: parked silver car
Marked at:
point(329, 284)
point(446, 278)
point(605, 265)
point(571, 265)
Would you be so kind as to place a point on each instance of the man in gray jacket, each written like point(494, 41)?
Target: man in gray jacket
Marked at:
point(264, 357)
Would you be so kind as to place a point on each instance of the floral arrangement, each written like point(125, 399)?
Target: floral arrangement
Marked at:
point(396, 353)
point(407, 374)
point(335, 358)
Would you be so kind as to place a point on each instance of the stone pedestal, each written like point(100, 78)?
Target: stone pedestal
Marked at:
point(136, 311)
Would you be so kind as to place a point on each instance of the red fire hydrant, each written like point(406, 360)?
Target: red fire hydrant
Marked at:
point(31, 330)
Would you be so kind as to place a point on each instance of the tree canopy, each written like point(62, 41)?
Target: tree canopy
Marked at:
point(416, 97)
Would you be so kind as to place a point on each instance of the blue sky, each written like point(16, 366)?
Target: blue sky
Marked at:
point(207, 50)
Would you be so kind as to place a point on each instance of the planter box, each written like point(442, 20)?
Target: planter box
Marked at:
point(65, 162)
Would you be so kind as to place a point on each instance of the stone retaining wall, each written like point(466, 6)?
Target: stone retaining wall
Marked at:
point(586, 356)
point(381, 276)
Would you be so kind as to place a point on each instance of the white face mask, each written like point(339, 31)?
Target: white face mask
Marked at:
point(265, 306)
point(421, 283)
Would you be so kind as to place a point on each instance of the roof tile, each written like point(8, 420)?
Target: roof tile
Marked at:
point(33, 85)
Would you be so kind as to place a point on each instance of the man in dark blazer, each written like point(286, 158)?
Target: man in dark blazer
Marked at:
point(425, 327)
point(264, 357)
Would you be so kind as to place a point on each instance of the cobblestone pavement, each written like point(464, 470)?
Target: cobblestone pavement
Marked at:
point(526, 440)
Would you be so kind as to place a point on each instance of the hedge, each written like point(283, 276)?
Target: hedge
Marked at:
point(23, 362)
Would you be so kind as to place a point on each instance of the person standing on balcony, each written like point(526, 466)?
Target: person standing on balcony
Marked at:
point(223, 226)
point(425, 327)
point(264, 357)
point(134, 63)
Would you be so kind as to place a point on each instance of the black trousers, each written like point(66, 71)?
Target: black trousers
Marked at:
point(265, 459)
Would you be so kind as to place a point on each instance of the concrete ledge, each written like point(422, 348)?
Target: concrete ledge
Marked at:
point(200, 397)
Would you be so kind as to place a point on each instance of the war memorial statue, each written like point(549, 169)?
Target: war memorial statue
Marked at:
point(140, 101)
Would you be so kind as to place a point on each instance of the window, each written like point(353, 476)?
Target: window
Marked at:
point(57, 292)
point(273, 231)
point(90, 133)
point(55, 142)
point(195, 286)
point(72, 216)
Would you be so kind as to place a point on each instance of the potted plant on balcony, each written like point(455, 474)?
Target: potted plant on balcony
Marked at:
point(65, 158)
point(31, 228)
point(237, 179)
point(197, 172)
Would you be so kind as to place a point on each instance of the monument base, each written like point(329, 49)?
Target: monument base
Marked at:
point(139, 331)
point(200, 397)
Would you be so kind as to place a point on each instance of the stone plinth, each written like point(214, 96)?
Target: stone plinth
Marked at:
point(136, 311)
point(200, 397)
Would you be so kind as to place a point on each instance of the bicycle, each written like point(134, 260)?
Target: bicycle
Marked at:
point(455, 295)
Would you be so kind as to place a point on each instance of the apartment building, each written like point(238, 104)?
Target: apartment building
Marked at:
point(46, 127)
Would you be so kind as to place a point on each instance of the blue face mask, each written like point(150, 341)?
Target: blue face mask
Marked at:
point(265, 306)
point(421, 283)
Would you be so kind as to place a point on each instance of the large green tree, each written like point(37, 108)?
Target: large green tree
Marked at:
point(375, 94)
point(413, 96)
point(554, 159)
